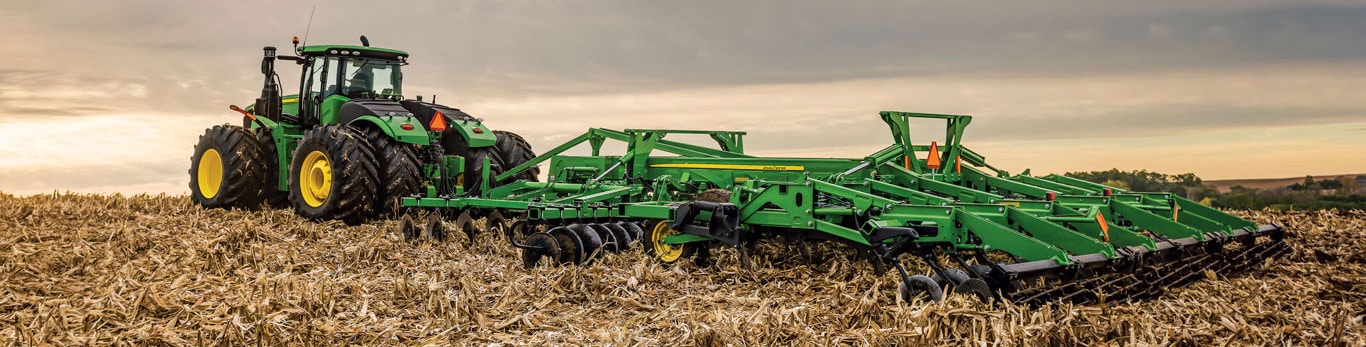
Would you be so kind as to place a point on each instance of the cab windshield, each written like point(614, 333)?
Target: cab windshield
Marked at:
point(363, 78)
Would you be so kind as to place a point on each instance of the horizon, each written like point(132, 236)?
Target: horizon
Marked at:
point(110, 97)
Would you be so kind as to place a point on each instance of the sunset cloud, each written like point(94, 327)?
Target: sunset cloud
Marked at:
point(110, 96)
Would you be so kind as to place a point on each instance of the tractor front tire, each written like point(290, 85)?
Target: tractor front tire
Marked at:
point(400, 174)
point(515, 150)
point(226, 169)
point(333, 175)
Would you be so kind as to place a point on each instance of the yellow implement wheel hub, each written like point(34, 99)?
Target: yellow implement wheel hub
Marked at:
point(666, 252)
point(315, 179)
point(210, 173)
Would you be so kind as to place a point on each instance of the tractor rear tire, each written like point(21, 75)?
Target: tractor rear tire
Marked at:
point(515, 150)
point(226, 169)
point(270, 195)
point(474, 166)
point(455, 144)
point(333, 175)
point(400, 175)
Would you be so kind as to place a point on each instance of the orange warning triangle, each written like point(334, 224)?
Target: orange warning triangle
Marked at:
point(1104, 226)
point(438, 122)
point(932, 160)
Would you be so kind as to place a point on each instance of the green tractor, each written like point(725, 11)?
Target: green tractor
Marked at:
point(348, 146)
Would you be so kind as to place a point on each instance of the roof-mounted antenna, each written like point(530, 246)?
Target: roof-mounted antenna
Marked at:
point(364, 41)
point(310, 25)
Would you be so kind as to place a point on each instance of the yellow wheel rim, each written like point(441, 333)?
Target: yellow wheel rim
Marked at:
point(210, 173)
point(315, 179)
point(666, 252)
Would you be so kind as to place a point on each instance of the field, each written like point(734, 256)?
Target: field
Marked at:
point(1224, 186)
point(155, 270)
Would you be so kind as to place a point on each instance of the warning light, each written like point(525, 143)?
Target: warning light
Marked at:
point(932, 160)
point(1107, 191)
point(1104, 227)
point(478, 131)
point(438, 122)
point(406, 126)
point(958, 164)
point(1050, 196)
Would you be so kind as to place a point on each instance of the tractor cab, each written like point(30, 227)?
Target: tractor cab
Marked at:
point(335, 75)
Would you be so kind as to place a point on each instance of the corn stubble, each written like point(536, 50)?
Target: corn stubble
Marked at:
point(155, 270)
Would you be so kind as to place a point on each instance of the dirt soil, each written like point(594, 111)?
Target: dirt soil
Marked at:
point(155, 270)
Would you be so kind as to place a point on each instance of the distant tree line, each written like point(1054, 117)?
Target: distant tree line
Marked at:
point(1344, 193)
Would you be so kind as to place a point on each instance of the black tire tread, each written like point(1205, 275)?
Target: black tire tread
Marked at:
point(242, 168)
point(515, 150)
point(273, 197)
point(400, 173)
point(354, 175)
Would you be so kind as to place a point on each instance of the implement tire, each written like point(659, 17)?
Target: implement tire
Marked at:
point(270, 195)
point(226, 169)
point(515, 150)
point(399, 172)
point(333, 175)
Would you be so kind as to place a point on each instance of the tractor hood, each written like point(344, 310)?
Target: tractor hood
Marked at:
point(355, 108)
point(387, 116)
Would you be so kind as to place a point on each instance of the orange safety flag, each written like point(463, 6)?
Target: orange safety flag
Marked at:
point(932, 160)
point(1104, 227)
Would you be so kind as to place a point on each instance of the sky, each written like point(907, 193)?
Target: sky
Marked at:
point(111, 96)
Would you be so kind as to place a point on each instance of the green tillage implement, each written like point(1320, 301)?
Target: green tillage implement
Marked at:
point(1020, 238)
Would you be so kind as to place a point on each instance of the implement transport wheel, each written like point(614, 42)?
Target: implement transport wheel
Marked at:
point(655, 246)
point(515, 150)
point(226, 169)
point(333, 175)
point(399, 172)
point(270, 191)
point(919, 285)
point(546, 246)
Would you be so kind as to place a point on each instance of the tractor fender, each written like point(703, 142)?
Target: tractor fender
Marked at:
point(476, 133)
point(393, 126)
